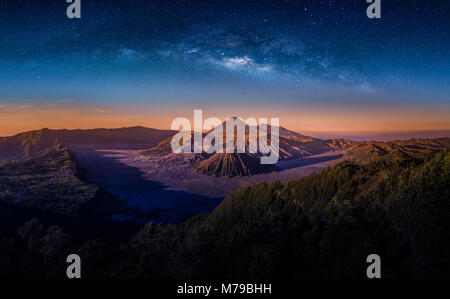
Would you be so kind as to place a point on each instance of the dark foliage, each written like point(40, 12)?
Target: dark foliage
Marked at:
point(320, 226)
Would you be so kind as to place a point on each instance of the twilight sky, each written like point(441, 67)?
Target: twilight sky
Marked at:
point(321, 66)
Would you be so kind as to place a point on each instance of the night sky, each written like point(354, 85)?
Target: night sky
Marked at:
point(275, 56)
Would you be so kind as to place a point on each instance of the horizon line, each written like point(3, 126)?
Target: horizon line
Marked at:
point(357, 135)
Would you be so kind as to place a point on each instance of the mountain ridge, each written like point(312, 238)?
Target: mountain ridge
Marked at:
point(293, 145)
point(48, 180)
point(23, 144)
point(154, 142)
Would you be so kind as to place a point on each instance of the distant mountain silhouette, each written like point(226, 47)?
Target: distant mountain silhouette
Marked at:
point(25, 144)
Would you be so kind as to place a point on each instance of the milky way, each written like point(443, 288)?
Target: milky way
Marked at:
point(138, 50)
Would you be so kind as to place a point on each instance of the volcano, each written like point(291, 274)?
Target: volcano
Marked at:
point(232, 164)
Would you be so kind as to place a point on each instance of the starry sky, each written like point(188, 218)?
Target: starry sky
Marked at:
point(320, 66)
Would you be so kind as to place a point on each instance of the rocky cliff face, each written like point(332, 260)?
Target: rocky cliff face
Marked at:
point(48, 180)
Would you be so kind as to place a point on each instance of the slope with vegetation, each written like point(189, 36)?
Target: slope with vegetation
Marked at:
point(47, 180)
point(367, 151)
point(323, 225)
point(320, 226)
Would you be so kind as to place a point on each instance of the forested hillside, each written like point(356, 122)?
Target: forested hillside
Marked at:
point(323, 225)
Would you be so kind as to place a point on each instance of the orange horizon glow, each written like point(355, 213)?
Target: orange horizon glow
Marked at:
point(319, 122)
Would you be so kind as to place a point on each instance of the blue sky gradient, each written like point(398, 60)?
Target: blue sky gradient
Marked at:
point(194, 54)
